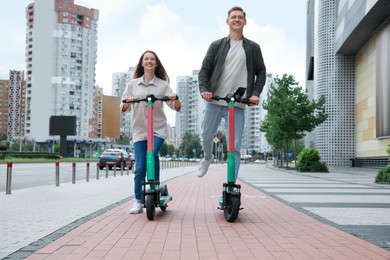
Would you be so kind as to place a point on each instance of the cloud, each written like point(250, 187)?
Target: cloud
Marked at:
point(108, 9)
point(162, 31)
point(281, 56)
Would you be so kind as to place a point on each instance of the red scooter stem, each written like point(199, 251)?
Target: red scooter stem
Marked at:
point(150, 162)
point(150, 126)
point(231, 128)
point(231, 161)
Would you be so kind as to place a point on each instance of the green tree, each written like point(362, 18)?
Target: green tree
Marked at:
point(3, 136)
point(167, 149)
point(290, 114)
point(125, 140)
point(190, 143)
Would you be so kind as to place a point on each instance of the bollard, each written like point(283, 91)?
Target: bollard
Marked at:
point(9, 177)
point(106, 170)
point(97, 171)
point(87, 173)
point(74, 173)
point(121, 168)
point(57, 174)
point(127, 167)
point(114, 169)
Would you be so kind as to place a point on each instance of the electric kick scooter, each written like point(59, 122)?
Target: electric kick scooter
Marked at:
point(230, 201)
point(156, 195)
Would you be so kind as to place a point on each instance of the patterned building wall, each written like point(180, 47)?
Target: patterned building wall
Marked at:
point(14, 104)
point(334, 78)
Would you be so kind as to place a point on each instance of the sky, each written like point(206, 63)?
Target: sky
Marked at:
point(178, 31)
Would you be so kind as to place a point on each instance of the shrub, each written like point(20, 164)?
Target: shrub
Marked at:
point(309, 161)
point(384, 174)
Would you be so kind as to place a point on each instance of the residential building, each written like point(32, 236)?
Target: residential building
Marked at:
point(98, 112)
point(61, 47)
point(348, 61)
point(119, 82)
point(261, 143)
point(190, 116)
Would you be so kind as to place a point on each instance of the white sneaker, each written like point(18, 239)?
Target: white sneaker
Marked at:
point(204, 166)
point(137, 208)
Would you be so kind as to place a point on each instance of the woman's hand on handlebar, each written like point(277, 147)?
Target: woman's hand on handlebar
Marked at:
point(172, 96)
point(129, 98)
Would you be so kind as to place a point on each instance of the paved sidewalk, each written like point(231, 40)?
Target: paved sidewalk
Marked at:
point(193, 228)
point(31, 218)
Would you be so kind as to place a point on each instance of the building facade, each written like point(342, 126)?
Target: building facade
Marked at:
point(190, 116)
point(12, 105)
point(348, 48)
point(119, 82)
point(61, 50)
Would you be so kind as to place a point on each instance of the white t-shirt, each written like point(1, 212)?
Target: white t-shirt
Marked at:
point(234, 73)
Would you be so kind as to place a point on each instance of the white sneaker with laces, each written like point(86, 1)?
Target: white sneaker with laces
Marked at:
point(204, 166)
point(137, 208)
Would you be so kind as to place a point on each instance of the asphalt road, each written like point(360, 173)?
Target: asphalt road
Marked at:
point(27, 175)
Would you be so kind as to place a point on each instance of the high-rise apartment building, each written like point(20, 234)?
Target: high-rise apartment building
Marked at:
point(61, 48)
point(119, 82)
point(190, 116)
point(348, 61)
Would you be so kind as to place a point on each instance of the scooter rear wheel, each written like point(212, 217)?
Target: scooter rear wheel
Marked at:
point(232, 207)
point(150, 206)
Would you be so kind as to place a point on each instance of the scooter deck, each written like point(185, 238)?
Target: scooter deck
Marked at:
point(220, 200)
point(165, 199)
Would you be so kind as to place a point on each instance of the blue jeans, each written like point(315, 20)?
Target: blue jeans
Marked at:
point(140, 152)
point(212, 116)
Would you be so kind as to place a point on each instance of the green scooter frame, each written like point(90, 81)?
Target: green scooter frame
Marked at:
point(153, 194)
point(230, 201)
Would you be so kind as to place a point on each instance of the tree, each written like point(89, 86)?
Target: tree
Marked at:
point(167, 149)
point(190, 146)
point(290, 113)
point(124, 139)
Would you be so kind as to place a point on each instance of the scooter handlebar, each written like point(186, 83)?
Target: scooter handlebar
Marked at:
point(151, 98)
point(233, 98)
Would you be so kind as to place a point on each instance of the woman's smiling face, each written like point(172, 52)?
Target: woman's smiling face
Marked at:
point(149, 61)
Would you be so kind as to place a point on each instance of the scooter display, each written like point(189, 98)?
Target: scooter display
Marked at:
point(153, 194)
point(230, 201)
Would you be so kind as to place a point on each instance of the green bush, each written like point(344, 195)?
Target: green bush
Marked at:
point(384, 174)
point(29, 155)
point(309, 161)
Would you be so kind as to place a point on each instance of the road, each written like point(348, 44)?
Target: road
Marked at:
point(27, 175)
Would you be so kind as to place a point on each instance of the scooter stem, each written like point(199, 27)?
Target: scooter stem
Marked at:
point(231, 162)
point(150, 152)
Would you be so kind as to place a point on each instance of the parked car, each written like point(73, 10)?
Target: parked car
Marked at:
point(113, 157)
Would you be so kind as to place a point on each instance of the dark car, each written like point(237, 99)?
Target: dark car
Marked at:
point(113, 157)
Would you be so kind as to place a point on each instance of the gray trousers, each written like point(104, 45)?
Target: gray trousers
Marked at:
point(212, 116)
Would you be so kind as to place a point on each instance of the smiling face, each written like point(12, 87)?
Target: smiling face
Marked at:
point(149, 62)
point(236, 20)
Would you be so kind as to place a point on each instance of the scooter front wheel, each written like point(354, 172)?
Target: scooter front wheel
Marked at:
point(150, 206)
point(232, 207)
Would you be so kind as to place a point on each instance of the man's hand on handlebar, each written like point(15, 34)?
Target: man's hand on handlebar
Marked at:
point(207, 96)
point(254, 101)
